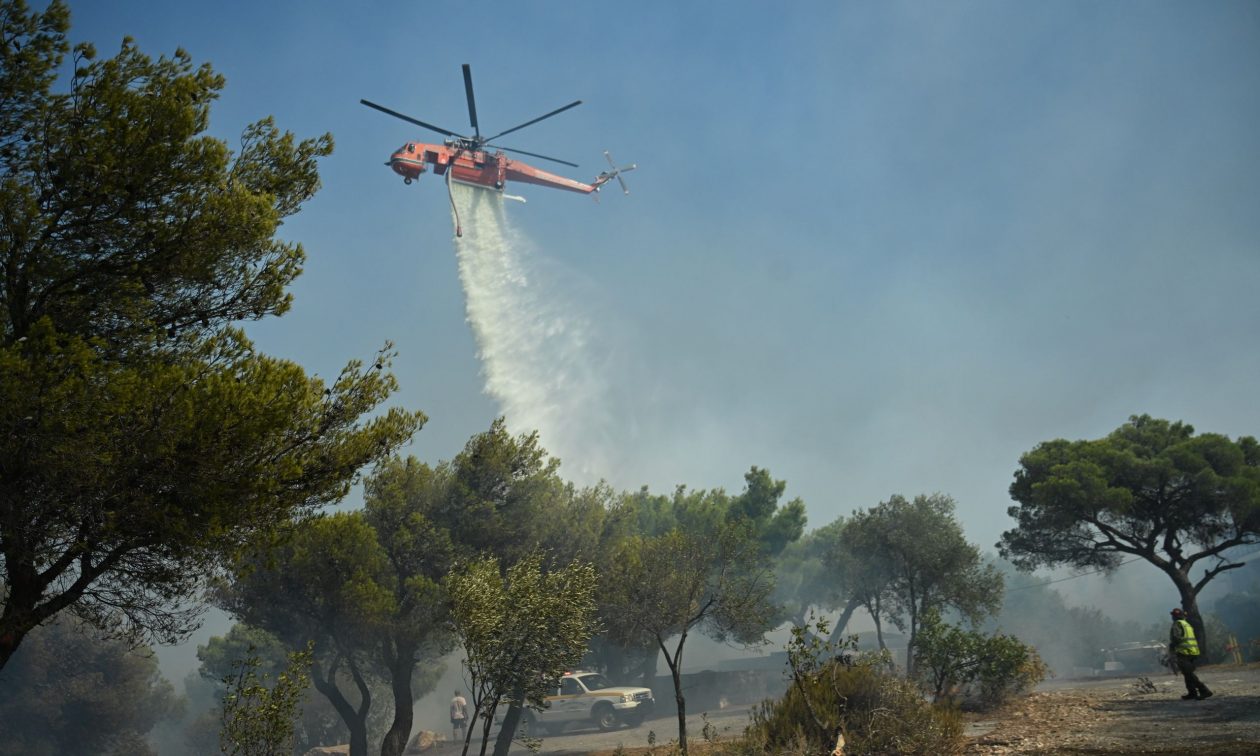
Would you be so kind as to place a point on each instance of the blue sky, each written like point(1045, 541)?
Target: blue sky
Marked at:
point(876, 247)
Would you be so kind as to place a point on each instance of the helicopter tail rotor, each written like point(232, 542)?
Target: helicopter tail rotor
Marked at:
point(615, 173)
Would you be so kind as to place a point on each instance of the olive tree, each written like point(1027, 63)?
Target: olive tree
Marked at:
point(926, 563)
point(520, 629)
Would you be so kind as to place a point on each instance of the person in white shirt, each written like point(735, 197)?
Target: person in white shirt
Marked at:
point(459, 716)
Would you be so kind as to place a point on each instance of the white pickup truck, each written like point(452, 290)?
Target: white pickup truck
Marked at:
point(588, 697)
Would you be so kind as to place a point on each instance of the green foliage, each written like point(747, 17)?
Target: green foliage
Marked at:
point(830, 694)
point(663, 586)
point(319, 723)
point(400, 498)
point(714, 521)
point(861, 570)
point(323, 582)
point(122, 220)
point(319, 582)
point(903, 559)
point(759, 505)
point(69, 690)
point(222, 653)
point(584, 524)
point(499, 487)
point(803, 580)
point(258, 710)
point(142, 439)
point(984, 671)
point(1151, 489)
point(520, 629)
point(717, 580)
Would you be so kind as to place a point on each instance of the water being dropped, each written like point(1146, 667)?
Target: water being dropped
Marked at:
point(536, 350)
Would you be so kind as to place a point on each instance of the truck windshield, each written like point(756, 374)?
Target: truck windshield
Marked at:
point(595, 682)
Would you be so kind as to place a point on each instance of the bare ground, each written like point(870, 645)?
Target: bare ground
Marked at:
point(1126, 716)
point(1115, 716)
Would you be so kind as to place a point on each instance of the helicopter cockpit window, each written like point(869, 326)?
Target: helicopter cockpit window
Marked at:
point(411, 148)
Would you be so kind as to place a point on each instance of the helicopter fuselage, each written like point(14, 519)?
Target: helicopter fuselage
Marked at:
point(491, 170)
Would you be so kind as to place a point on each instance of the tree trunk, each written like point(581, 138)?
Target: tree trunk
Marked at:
point(511, 721)
point(13, 629)
point(838, 632)
point(399, 731)
point(675, 671)
point(914, 629)
point(8, 646)
point(22, 610)
point(356, 721)
point(1190, 605)
point(487, 721)
point(879, 626)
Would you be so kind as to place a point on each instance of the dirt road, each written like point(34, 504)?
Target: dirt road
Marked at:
point(1114, 716)
point(725, 724)
point(1125, 716)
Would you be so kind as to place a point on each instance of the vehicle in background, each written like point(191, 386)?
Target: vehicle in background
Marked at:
point(588, 698)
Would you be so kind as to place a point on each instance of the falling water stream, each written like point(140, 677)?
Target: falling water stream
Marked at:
point(535, 347)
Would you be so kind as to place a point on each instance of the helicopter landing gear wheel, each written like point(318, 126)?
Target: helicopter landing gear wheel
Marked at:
point(407, 181)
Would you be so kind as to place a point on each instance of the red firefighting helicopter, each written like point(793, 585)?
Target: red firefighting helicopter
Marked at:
point(465, 158)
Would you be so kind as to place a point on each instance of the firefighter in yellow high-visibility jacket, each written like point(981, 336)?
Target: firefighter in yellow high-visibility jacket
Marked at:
point(1184, 648)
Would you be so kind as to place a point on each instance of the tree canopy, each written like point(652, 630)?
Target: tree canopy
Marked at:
point(804, 579)
point(69, 690)
point(1151, 489)
point(520, 629)
point(399, 498)
point(123, 220)
point(220, 660)
point(321, 584)
point(499, 486)
point(142, 438)
point(661, 588)
point(904, 557)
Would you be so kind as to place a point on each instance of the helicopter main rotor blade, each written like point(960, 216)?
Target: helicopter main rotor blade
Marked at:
point(573, 104)
point(409, 119)
point(472, 104)
point(533, 154)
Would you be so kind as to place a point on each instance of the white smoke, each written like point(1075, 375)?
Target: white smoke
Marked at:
point(537, 355)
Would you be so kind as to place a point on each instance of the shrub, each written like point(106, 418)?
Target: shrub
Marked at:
point(833, 693)
point(258, 713)
point(977, 670)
